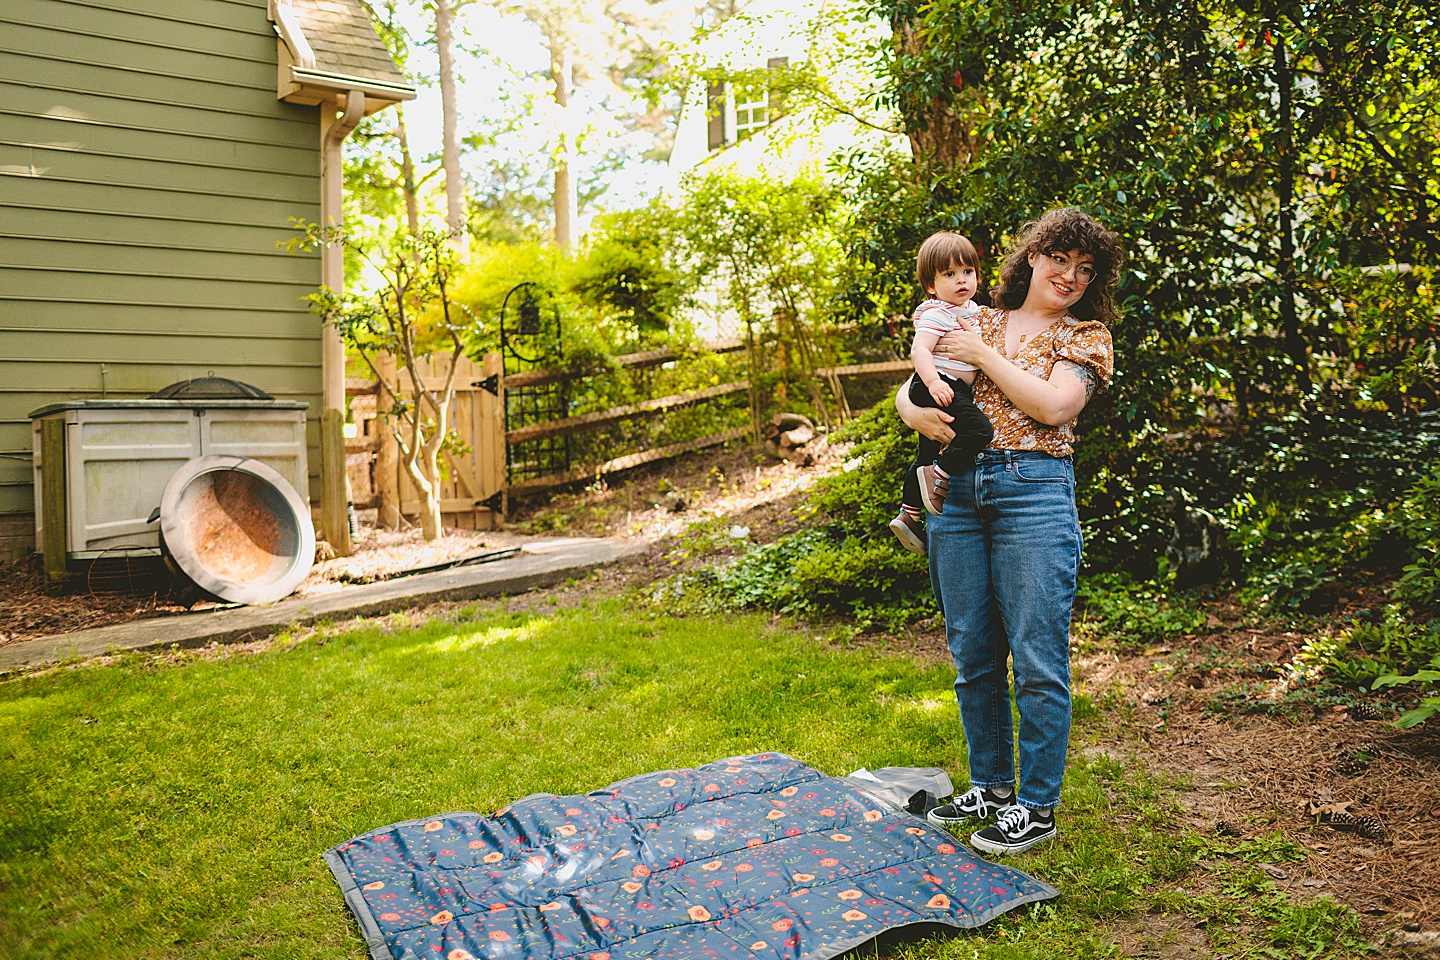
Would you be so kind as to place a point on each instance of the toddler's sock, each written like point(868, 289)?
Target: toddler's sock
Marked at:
point(912, 512)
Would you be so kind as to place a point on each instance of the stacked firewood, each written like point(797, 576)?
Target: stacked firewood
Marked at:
point(787, 437)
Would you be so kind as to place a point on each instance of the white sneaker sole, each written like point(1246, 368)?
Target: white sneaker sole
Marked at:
point(907, 537)
point(986, 846)
point(946, 824)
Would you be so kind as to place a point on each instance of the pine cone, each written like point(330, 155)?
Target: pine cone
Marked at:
point(1352, 759)
point(1371, 828)
point(1350, 766)
point(1226, 829)
point(1366, 710)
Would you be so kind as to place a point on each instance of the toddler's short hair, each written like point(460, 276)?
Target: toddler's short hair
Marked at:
point(939, 251)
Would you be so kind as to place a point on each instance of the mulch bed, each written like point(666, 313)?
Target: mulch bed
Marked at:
point(30, 612)
point(1254, 764)
point(658, 502)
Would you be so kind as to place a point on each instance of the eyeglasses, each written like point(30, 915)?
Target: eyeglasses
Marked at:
point(1084, 272)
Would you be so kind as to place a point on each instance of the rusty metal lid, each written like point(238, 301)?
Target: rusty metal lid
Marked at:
point(237, 529)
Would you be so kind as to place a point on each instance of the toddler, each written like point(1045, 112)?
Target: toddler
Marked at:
point(948, 269)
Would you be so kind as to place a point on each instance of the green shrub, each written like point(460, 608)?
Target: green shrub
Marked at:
point(820, 569)
point(863, 496)
point(625, 269)
point(1300, 491)
point(765, 576)
point(1363, 651)
point(1115, 607)
point(1416, 518)
point(1428, 706)
point(877, 579)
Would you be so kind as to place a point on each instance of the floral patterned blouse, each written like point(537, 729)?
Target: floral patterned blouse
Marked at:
point(1085, 342)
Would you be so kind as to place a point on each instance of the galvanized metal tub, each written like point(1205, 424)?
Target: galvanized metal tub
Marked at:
point(236, 529)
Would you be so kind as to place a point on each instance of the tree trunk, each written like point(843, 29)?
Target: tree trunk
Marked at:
point(430, 521)
point(937, 130)
point(562, 73)
point(429, 495)
point(424, 475)
point(450, 149)
point(407, 173)
point(387, 454)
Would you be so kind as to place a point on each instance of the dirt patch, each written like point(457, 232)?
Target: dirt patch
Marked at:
point(661, 500)
point(1163, 936)
point(695, 512)
point(1209, 711)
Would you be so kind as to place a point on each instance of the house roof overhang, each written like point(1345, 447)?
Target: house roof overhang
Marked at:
point(328, 48)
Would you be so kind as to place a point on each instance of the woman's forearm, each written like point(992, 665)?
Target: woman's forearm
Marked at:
point(930, 421)
point(1036, 398)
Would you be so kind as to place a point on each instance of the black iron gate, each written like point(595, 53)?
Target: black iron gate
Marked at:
point(534, 343)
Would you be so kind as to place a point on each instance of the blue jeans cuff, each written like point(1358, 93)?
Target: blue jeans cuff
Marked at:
point(992, 786)
point(1028, 805)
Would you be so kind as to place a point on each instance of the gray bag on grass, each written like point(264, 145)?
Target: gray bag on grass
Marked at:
point(915, 789)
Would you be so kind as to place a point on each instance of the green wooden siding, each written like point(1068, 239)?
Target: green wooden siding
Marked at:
point(147, 173)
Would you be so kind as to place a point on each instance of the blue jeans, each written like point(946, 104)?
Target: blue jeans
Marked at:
point(1003, 560)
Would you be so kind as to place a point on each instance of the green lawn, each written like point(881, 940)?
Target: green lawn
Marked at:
point(180, 810)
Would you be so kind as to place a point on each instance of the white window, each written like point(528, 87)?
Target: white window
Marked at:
point(734, 112)
point(752, 111)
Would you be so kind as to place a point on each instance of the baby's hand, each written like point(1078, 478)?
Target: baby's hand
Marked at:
point(941, 392)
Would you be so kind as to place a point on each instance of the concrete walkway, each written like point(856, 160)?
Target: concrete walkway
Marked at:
point(541, 563)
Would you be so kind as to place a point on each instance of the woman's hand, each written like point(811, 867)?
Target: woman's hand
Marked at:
point(933, 423)
point(967, 346)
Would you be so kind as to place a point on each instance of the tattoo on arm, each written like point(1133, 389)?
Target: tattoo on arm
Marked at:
point(1085, 373)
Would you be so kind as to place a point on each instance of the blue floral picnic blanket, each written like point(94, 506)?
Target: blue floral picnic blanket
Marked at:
point(751, 858)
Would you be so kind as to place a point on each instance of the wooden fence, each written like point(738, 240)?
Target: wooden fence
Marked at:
point(475, 494)
point(474, 490)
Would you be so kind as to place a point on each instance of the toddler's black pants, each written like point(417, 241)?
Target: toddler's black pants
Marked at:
point(973, 433)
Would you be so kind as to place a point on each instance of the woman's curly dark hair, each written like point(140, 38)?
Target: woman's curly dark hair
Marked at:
point(1063, 230)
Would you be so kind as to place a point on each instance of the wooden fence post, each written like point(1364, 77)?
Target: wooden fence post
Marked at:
point(333, 515)
point(52, 500)
point(387, 455)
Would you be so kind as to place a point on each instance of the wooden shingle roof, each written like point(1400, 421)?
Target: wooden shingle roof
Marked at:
point(345, 41)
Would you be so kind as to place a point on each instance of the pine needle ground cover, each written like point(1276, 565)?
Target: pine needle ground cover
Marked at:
point(179, 809)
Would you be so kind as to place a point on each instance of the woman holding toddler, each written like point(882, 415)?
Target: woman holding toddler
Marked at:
point(1004, 537)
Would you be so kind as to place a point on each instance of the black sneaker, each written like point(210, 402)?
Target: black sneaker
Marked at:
point(1015, 830)
point(978, 803)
